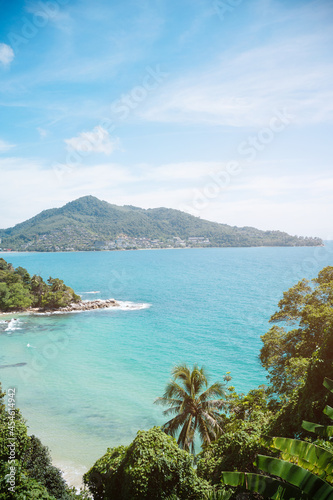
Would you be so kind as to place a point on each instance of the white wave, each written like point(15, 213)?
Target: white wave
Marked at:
point(132, 306)
point(13, 325)
point(81, 293)
point(123, 306)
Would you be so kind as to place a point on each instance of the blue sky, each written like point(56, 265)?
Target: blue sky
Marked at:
point(219, 108)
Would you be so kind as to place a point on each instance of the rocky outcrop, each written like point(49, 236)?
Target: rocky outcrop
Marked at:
point(87, 305)
point(83, 305)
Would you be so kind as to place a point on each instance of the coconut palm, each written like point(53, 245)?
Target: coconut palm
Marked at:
point(195, 406)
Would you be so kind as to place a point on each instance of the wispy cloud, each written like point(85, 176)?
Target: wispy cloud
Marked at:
point(242, 83)
point(244, 90)
point(96, 141)
point(42, 132)
point(6, 54)
point(269, 202)
point(5, 146)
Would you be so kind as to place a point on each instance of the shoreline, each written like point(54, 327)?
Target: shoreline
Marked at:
point(83, 305)
point(163, 248)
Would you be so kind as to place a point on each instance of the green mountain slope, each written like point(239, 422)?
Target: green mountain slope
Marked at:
point(90, 224)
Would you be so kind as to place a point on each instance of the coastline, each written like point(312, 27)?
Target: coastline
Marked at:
point(83, 305)
point(162, 248)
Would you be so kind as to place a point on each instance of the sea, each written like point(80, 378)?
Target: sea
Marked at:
point(87, 381)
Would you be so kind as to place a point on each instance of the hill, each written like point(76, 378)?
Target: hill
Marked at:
point(91, 224)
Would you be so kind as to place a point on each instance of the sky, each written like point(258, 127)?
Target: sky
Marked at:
point(222, 109)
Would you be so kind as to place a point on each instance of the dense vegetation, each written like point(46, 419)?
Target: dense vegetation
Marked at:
point(238, 453)
point(305, 470)
point(19, 290)
point(297, 359)
point(81, 223)
point(287, 352)
point(30, 464)
point(151, 467)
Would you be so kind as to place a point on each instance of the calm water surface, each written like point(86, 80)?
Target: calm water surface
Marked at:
point(90, 378)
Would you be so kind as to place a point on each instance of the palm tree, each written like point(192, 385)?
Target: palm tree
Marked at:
point(195, 406)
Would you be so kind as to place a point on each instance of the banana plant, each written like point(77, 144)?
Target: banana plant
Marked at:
point(322, 430)
point(303, 471)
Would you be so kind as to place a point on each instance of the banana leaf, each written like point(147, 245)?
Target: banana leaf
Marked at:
point(324, 431)
point(328, 383)
point(310, 453)
point(309, 483)
point(328, 410)
point(264, 485)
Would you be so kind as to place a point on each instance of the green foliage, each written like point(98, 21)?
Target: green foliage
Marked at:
point(151, 467)
point(37, 462)
point(220, 494)
point(35, 476)
point(287, 353)
point(253, 407)
point(15, 431)
point(15, 297)
point(18, 291)
point(194, 405)
point(232, 451)
point(5, 266)
point(305, 470)
point(266, 486)
point(308, 401)
point(83, 221)
point(303, 479)
point(308, 455)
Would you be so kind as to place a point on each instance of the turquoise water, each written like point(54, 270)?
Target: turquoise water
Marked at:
point(90, 378)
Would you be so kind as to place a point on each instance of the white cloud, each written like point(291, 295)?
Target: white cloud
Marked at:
point(287, 203)
point(42, 132)
point(244, 90)
point(96, 141)
point(6, 54)
point(5, 146)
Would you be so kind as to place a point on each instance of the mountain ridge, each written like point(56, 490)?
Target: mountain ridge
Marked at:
point(88, 223)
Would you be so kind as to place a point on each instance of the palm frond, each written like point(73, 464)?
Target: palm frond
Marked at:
point(203, 431)
point(173, 409)
point(215, 390)
point(198, 380)
point(172, 426)
point(167, 401)
point(194, 412)
point(213, 423)
point(183, 373)
point(213, 404)
point(174, 390)
point(186, 435)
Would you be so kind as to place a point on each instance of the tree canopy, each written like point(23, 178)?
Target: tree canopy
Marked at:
point(19, 290)
point(30, 465)
point(305, 313)
point(152, 467)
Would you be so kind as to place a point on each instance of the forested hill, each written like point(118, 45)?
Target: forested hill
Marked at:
point(90, 224)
